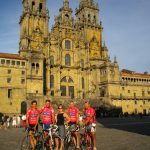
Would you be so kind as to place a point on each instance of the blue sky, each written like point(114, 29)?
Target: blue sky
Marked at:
point(126, 29)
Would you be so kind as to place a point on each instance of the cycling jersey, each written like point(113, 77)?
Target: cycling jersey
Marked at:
point(73, 114)
point(33, 115)
point(90, 112)
point(47, 114)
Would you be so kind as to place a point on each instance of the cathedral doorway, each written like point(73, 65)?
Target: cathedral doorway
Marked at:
point(67, 87)
point(23, 107)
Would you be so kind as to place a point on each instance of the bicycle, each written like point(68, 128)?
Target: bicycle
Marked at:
point(52, 133)
point(86, 142)
point(69, 143)
point(25, 144)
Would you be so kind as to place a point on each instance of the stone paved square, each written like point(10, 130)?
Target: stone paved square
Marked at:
point(112, 134)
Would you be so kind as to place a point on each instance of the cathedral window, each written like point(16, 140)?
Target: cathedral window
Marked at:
point(67, 87)
point(23, 72)
point(102, 92)
point(23, 63)
point(83, 95)
point(9, 71)
point(82, 63)
point(64, 79)
point(51, 81)
point(71, 91)
point(9, 93)
point(40, 7)
point(8, 62)
point(18, 63)
point(13, 62)
point(63, 90)
point(89, 18)
point(82, 83)
point(3, 61)
point(70, 80)
point(51, 60)
point(33, 65)
point(52, 93)
point(134, 95)
point(67, 60)
point(8, 80)
point(33, 4)
point(37, 66)
point(66, 17)
point(94, 19)
point(67, 44)
point(143, 93)
point(22, 81)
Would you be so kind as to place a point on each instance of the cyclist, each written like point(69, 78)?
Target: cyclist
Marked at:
point(73, 112)
point(47, 113)
point(61, 119)
point(89, 120)
point(32, 122)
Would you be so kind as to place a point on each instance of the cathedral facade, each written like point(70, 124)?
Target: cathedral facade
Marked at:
point(68, 62)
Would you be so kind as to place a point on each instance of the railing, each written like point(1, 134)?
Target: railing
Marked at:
point(130, 97)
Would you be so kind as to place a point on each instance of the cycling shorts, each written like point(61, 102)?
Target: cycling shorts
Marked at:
point(31, 127)
point(46, 126)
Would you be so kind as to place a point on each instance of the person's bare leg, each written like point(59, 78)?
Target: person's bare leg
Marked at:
point(57, 144)
point(93, 134)
point(50, 142)
point(61, 144)
point(31, 139)
point(77, 140)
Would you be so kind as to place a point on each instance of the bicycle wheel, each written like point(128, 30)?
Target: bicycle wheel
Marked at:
point(84, 144)
point(25, 144)
point(69, 144)
point(40, 142)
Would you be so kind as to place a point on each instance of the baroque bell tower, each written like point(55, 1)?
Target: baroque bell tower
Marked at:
point(88, 22)
point(34, 42)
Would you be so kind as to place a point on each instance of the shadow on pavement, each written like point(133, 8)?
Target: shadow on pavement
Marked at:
point(130, 124)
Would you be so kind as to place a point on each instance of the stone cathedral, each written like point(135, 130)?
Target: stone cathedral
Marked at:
point(69, 62)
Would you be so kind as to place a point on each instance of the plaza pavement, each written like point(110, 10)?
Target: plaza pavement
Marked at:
point(112, 134)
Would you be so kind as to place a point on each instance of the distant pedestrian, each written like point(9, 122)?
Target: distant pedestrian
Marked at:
point(14, 121)
point(8, 122)
point(23, 120)
point(5, 121)
point(1, 121)
point(18, 121)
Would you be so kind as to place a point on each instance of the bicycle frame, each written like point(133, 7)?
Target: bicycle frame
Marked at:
point(86, 141)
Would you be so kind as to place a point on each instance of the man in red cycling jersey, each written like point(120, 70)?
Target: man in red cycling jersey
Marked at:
point(73, 112)
point(89, 121)
point(32, 122)
point(47, 113)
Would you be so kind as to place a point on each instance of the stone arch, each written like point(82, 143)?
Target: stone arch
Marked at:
point(23, 107)
point(67, 86)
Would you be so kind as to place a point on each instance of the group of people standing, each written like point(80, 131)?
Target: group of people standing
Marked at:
point(50, 117)
point(7, 121)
